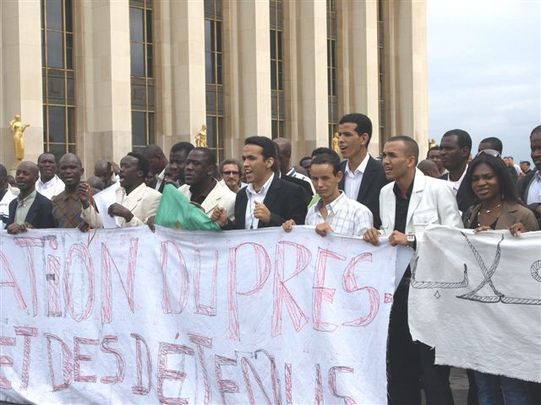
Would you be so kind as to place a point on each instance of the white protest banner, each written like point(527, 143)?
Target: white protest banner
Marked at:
point(131, 316)
point(476, 298)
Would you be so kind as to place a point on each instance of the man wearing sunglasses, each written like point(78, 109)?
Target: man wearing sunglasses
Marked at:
point(231, 171)
point(493, 146)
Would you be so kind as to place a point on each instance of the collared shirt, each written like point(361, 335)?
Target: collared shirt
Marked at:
point(67, 210)
point(293, 173)
point(252, 222)
point(23, 206)
point(455, 185)
point(345, 215)
point(6, 198)
point(353, 179)
point(534, 190)
point(401, 210)
point(51, 188)
point(159, 179)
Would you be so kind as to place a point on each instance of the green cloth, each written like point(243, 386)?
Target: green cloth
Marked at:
point(176, 211)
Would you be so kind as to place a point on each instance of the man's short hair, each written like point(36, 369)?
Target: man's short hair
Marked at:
point(320, 150)
point(412, 149)
point(182, 146)
point(330, 157)
point(46, 153)
point(71, 155)
point(231, 162)
point(306, 158)
point(364, 125)
point(536, 130)
point(142, 163)
point(268, 146)
point(495, 143)
point(210, 156)
point(463, 138)
point(152, 150)
point(3, 172)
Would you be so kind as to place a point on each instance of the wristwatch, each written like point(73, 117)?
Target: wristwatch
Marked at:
point(410, 237)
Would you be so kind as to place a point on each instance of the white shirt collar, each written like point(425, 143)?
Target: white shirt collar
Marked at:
point(360, 169)
point(250, 189)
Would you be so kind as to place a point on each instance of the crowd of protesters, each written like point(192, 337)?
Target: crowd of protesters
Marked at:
point(393, 195)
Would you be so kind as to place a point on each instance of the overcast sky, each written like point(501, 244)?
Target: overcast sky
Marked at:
point(484, 62)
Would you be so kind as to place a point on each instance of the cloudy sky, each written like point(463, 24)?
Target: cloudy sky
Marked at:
point(484, 61)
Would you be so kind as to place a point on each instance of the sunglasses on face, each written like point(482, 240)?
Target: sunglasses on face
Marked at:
point(230, 173)
point(490, 152)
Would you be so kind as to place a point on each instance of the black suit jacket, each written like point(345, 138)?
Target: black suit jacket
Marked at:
point(39, 215)
point(307, 190)
point(523, 187)
point(464, 196)
point(373, 180)
point(284, 200)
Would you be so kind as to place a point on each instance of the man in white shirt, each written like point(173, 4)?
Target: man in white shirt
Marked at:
point(408, 205)
point(455, 149)
point(6, 196)
point(135, 203)
point(335, 212)
point(529, 186)
point(157, 163)
point(203, 189)
point(48, 184)
point(363, 175)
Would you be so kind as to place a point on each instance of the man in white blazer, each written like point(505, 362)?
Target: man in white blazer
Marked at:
point(135, 202)
point(407, 206)
point(202, 188)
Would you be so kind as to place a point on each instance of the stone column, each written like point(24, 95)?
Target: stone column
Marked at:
point(406, 74)
point(21, 84)
point(359, 58)
point(311, 77)
point(253, 75)
point(102, 78)
point(180, 75)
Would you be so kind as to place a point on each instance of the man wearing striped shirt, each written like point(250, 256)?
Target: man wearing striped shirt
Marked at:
point(335, 212)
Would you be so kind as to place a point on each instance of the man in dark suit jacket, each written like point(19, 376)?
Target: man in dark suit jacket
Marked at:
point(267, 200)
point(455, 149)
point(30, 209)
point(529, 186)
point(363, 175)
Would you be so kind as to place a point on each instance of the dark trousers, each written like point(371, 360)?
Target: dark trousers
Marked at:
point(402, 354)
point(434, 379)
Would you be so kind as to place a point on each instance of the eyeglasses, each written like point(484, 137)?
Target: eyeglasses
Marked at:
point(230, 172)
point(490, 152)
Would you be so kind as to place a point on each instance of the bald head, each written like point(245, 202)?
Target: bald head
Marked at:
point(71, 158)
point(156, 159)
point(26, 176)
point(104, 170)
point(284, 152)
point(429, 168)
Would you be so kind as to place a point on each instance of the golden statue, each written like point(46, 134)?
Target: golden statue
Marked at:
point(17, 127)
point(201, 137)
point(431, 143)
point(335, 142)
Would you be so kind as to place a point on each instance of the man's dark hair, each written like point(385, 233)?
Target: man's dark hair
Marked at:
point(364, 125)
point(142, 163)
point(182, 146)
point(152, 150)
point(210, 156)
point(320, 150)
point(411, 145)
point(71, 155)
point(231, 162)
point(526, 162)
point(3, 172)
point(269, 147)
point(305, 158)
point(495, 143)
point(507, 185)
point(330, 157)
point(463, 138)
point(536, 130)
point(436, 147)
point(46, 153)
